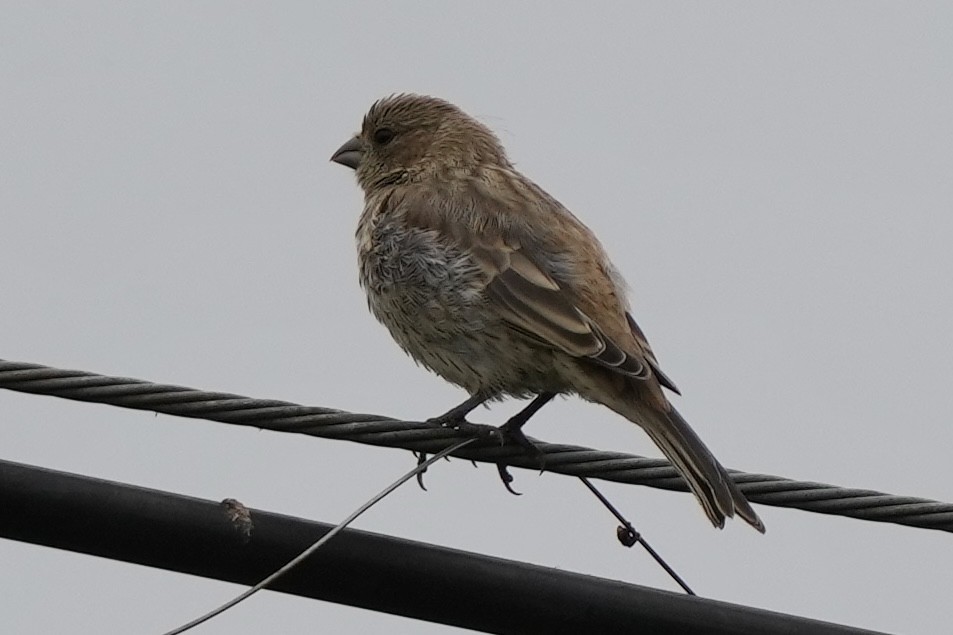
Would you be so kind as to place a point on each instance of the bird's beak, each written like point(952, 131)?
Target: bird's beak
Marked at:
point(350, 154)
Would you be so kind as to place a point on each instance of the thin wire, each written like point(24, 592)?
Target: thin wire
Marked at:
point(321, 542)
point(628, 536)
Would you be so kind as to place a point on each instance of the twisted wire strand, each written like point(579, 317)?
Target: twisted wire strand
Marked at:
point(419, 436)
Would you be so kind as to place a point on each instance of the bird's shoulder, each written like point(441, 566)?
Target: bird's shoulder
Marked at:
point(495, 212)
point(494, 206)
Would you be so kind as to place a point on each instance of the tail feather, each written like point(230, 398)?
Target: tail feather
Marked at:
point(706, 478)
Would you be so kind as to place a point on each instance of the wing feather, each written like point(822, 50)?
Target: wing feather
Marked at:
point(533, 301)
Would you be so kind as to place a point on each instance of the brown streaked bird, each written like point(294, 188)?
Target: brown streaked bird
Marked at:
point(488, 281)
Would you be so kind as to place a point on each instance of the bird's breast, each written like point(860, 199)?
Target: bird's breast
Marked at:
point(411, 271)
point(428, 293)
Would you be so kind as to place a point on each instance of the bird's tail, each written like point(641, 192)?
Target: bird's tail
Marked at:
point(707, 479)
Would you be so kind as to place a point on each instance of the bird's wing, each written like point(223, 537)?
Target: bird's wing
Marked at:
point(528, 297)
point(530, 300)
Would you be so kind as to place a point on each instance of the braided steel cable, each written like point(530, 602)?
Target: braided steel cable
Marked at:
point(283, 416)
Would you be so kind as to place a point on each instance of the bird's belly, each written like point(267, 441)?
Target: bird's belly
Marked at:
point(430, 297)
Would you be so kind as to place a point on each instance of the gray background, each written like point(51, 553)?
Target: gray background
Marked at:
point(773, 179)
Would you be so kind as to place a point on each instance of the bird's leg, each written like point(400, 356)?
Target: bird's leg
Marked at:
point(516, 422)
point(456, 418)
point(458, 414)
point(513, 430)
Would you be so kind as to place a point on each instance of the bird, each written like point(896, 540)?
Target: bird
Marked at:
point(486, 280)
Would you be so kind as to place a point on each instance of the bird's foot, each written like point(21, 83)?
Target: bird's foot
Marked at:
point(457, 421)
point(511, 432)
point(448, 419)
point(514, 434)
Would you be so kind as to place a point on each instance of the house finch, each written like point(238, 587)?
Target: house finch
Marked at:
point(488, 281)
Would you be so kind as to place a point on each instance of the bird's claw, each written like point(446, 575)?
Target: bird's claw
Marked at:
point(511, 432)
point(515, 435)
point(421, 459)
point(507, 478)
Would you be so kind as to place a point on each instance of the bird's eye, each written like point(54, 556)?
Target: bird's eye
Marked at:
point(383, 136)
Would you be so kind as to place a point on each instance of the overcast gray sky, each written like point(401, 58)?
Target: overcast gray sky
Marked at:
point(773, 179)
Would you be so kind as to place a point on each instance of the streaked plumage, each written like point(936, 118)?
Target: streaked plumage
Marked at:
point(488, 281)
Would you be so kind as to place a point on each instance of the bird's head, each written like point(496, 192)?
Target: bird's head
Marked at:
point(405, 136)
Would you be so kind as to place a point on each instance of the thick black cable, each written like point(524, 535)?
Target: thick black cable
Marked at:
point(313, 548)
point(227, 541)
point(419, 436)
